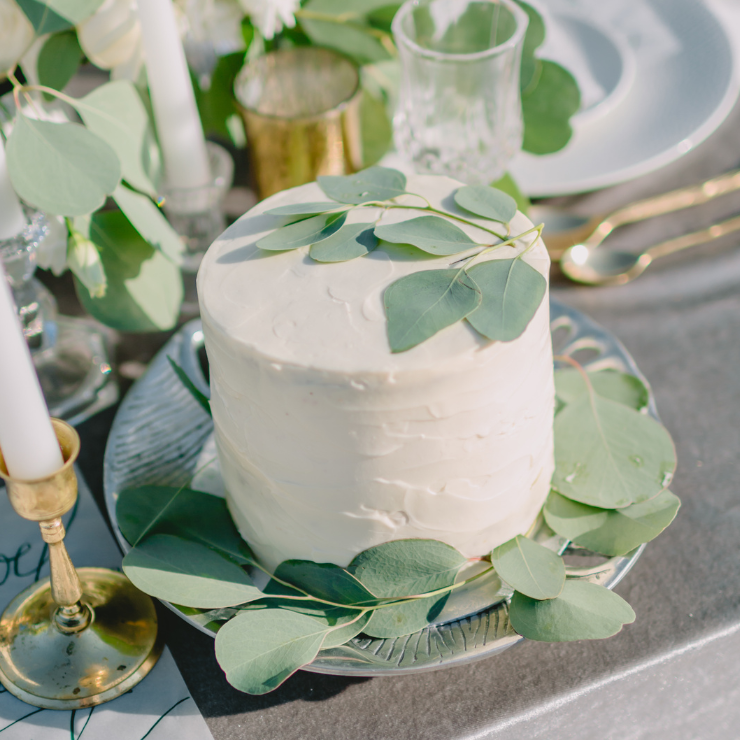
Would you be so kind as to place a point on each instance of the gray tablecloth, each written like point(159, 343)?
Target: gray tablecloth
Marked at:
point(674, 673)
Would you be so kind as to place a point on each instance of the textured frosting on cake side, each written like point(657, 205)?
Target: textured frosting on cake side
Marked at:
point(329, 443)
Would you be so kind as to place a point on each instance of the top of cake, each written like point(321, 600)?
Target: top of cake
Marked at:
point(330, 316)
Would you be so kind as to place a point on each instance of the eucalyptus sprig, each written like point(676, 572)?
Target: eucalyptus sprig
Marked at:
point(498, 298)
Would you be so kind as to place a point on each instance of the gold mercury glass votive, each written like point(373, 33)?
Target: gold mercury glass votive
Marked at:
point(301, 111)
point(81, 637)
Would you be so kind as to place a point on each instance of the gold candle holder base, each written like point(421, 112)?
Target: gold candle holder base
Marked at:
point(78, 638)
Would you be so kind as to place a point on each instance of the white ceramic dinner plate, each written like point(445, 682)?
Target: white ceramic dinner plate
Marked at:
point(669, 72)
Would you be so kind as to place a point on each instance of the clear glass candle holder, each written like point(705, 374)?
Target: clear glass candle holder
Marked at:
point(197, 214)
point(460, 111)
point(70, 355)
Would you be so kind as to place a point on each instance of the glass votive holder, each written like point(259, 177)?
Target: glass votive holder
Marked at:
point(301, 111)
point(460, 111)
point(197, 214)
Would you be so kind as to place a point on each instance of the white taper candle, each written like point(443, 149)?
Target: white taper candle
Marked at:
point(178, 124)
point(27, 438)
point(12, 218)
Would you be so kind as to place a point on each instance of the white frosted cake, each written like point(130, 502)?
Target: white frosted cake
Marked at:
point(329, 443)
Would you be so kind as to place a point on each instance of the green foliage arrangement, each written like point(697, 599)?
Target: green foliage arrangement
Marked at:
point(186, 550)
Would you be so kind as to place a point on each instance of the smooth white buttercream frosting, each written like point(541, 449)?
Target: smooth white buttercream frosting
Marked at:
point(329, 443)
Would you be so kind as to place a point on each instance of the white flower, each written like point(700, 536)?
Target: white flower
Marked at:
point(16, 35)
point(52, 252)
point(111, 39)
point(269, 16)
point(214, 22)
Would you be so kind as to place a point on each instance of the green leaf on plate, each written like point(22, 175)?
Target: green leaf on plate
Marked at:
point(57, 15)
point(83, 259)
point(187, 573)
point(58, 61)
point(423, 303)
point(508, 185)
point(303, 233)
point(487, 202)
point(530, 568)
point(260, 649)
point(190, 515)
point(116, 113)
point(201, 399)
point(405, 618)
point(324, 581)
point(583, 611)
point(61, 168)
point(374, 183)
point(547, 108)
point(512, 292)
point(407, 567)
point(351, 241)
point(304, 209)
point(150, 222)
point(144, 287)
point(611, 531)
point(609, 455)
point(620, 387)
point(431, 233)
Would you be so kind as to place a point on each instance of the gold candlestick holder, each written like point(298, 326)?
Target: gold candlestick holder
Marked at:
point(81, 637)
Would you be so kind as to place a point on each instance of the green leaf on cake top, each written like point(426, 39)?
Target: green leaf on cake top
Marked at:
point(487, 202)
point(303, 233)
point(187, 573)
point(610, 531)
point(374, 183)
point(512, 292)
point(530, 568)
point(583, 611)
point(421, 304)
point(431, 234)
point(303, 209)
point(609, 455)
point(351, 241)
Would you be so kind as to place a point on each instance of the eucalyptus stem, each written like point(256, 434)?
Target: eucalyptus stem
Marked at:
point(19, 88)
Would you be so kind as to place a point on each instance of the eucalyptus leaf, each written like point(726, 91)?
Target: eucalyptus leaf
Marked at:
point(303, 233)
point(431, 233)
point(530, 568)
point(611, 531)
point(325, 581)
point(83, 259)
point(533, 39)
point(216, 104)
point(57, 15)
point(344, 633)
point(150, 222)
point(58, 60)
point(351, 241)
point(260, 649)
point(144, 287)
point(191, 515)
point(509, 186)
point(116, 113)
point(405, 618)
point(199, 397)
point(547, 108)
point(61, 168)
point(374, 183)
point(583, 611)
point(423, 303)
point(609, 455)
point(376, 128)
point(407, 567)
point(512, 292)
point(487, 202)
point(620, 387)
point(187, 573)
point(304, 209)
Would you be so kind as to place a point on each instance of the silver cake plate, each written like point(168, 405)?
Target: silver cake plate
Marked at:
point(161, 436)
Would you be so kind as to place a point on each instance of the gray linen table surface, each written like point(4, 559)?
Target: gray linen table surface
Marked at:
point(671, 675)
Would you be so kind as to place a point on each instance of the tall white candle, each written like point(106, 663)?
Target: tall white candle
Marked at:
point(175, 112)
point(12, 218)
point(27, 439)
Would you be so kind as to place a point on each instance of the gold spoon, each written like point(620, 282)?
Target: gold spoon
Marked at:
point(563, 230)
point(586, 264)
